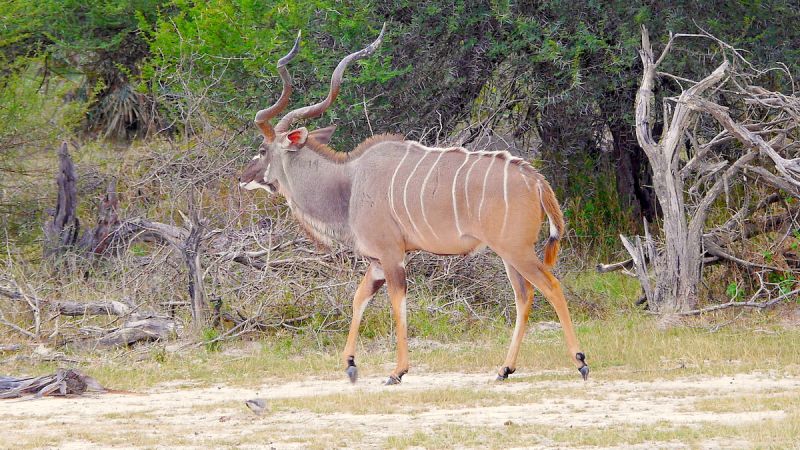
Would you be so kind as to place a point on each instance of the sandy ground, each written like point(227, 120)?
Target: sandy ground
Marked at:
point(182, 416)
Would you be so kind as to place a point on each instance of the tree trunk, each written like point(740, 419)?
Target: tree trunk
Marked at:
point(61, 232)
point(634, 178)
point(678, 268)
point(191, 249)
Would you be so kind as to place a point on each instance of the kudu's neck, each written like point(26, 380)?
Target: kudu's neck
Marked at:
point(318, 192)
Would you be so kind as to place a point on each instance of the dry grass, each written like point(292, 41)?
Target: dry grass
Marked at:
point(766, 401)
point(630, 348)
point(409, 402)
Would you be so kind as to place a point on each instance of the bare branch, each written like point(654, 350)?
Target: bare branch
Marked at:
point(735, 304)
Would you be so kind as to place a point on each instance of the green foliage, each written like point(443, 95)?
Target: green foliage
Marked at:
point(159, 354)
point(592, 209)
point(786, 281)
point(33, 117)
point(32, 109)
point(734, 292)
point(95, 42)
point(235, 45)
point(210, 338)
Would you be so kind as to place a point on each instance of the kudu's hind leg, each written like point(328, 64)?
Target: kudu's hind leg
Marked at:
point(396, 284)
point(523, 296)
point(373, 280)
point(540, 276)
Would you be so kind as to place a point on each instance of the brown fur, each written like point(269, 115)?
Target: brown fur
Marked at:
point(342, 157)
point(551, 208)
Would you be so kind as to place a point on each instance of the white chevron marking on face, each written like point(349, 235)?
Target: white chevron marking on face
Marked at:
point(422, 192)
point(252, 185)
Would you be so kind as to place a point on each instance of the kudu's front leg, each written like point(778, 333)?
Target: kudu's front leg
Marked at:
point(396, 283)
point(373, 280)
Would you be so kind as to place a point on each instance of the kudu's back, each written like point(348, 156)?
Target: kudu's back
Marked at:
point(451, 201)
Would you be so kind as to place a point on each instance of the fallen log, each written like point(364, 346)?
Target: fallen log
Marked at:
point(109, 308)
point(150, 329)
point(74, 308)
point(63, 382)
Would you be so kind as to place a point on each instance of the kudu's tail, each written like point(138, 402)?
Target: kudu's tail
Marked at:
point(556, 218)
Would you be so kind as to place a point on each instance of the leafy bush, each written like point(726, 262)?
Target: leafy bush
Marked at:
point(33, 111)
point(218, 58)
point(94, 42)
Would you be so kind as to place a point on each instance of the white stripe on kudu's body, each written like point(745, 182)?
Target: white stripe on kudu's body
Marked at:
point(405, 193)
point(525, 179)
point(505, 196)
point(394, 176)
point(466, 187)
point(455, 202)
point(342, 198)
point(483, 191)
point(422, 194)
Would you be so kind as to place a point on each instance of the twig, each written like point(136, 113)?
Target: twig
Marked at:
point(735, 304)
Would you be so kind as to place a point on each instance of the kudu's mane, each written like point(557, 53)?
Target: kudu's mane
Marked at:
point(338, 157)
point(331, 154)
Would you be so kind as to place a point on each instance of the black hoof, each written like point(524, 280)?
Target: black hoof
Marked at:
point(584, 370)
point(352, 373)
point(503, 375)
point(392, 380)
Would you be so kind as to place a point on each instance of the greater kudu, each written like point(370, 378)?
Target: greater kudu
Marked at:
point(390, 196)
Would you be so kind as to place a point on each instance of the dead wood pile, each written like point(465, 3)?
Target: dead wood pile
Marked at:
point(64, 382)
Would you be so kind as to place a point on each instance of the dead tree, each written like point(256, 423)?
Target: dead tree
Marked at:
point(63, 230)
point(740, 159)
point(64, 382)
point(188, 240)
point(191, 249)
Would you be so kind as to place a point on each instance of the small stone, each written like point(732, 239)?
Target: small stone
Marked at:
point(257, 405)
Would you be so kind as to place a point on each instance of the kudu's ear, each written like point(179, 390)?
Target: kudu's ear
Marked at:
point(323, 135)
point(296, 139)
